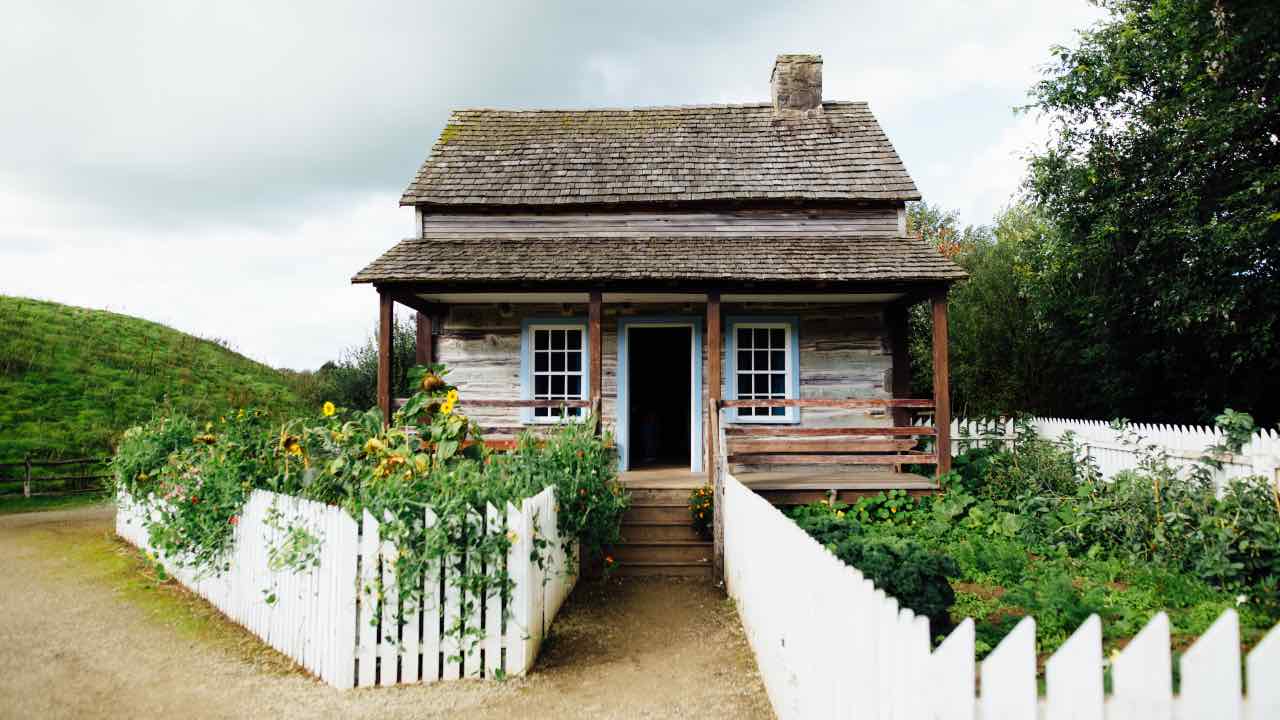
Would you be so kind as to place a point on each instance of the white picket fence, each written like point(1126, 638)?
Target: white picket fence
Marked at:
point(1184, 445)
point(323, 617)
point(829, 644)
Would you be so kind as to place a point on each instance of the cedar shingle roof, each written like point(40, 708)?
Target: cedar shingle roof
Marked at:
point(663, 154)
point(746, 258)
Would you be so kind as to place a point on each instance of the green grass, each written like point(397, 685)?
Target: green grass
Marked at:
point(11, 504)
point(73, 379)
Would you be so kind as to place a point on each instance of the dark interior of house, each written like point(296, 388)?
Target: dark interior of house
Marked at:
point(659, 384)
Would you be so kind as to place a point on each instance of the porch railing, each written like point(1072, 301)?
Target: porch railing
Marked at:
point(788, 445)
point(795, 445)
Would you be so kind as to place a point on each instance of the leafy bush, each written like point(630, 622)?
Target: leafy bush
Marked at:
point(902, 567)
point(430, 458)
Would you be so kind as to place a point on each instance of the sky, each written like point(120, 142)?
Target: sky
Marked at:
point(225, 168)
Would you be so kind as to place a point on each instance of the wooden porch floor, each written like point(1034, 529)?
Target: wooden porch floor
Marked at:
point(787, 487)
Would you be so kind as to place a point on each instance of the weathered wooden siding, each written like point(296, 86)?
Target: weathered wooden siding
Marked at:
point(844, 353)
point(879, 221)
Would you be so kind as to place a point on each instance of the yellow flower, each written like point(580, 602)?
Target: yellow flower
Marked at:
point(373, 445)
point(452, 396)
point(328, 409)
point(420, 462)
point(446, 407)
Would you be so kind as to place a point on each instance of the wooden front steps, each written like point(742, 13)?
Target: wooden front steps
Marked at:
point(658, 537)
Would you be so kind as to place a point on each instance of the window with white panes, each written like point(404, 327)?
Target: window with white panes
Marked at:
point(557, 370)
point(763, 368)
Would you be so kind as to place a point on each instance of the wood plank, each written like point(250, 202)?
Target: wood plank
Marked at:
point(900, 375)
point(524, 403)
point(595, 337)
point(385, 320)
point(941, 382)
point(715, 358)
point(742, 447)
point(791, 431)
point(424, 350)
point(924, 458)
point(846, 403)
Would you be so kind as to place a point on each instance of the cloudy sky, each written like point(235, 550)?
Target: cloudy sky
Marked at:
point(225, 167)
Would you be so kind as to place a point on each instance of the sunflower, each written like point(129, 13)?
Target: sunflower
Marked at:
point(452, 396)
point(290, 443)
point(328, 409)
point(446, 407)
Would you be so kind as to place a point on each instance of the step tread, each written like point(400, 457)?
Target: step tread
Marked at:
point(664, 563)
point(665, 542)
point(656, 523)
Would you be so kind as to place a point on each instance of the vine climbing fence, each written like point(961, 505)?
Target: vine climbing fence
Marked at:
point(341, 616)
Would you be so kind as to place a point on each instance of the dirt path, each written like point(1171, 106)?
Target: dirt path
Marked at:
point(85, 632)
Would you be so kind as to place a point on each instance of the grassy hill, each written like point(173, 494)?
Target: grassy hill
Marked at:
point(72, 379)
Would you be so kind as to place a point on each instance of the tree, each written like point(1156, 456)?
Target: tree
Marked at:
point(1163, 179)
point(1001, 360)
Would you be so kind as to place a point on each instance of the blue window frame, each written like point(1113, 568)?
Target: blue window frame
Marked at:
point(553, 366)
point(764, 364)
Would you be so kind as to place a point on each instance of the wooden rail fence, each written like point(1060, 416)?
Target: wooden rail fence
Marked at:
point(77, 481)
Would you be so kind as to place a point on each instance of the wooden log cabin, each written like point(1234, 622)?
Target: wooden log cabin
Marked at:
point(721, 283)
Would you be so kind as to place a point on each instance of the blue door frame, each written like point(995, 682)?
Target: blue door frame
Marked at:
point(623, 438)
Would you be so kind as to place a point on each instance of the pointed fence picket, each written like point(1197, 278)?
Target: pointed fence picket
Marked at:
point(828, 643)
point(339, 616)
point(1109, 451)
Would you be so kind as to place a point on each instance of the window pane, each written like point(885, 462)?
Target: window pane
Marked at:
point(557, 339)
point(574, 361)
point(762, 360)
point(776, 338)
point(540, 361)
point(778, 412)
point(778, 384)
point(744, 359)
point(540, 386)
point(573, 386)
point(555, 411)
point(762, 338)
point(744, 385)
point(540, 412)
point(557, 386)
point(744, 337)
point(573, 339)
point(540, 339)
point(557, 362)
point(777, 360)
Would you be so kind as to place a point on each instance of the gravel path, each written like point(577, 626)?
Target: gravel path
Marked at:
point(86, 632)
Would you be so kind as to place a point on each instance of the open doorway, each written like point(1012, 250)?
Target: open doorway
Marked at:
point(659, 387)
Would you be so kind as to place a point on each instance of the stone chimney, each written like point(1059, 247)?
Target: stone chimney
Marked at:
point(797, 86)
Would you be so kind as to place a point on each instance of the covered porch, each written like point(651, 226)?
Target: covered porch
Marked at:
point(847, 444)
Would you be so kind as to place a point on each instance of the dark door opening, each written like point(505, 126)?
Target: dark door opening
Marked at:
point(658, 388)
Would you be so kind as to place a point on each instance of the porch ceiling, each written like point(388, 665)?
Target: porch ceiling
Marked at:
point(481, 298)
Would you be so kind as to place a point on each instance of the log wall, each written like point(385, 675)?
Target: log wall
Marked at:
point(844, 353)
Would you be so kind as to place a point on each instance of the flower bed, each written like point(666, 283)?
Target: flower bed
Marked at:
point(451, 537)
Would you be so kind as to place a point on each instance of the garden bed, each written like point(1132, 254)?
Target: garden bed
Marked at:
point(454, 559)
point(1036, 531)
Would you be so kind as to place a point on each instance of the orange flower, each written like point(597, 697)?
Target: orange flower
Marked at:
point(234, 520)
point(608, 559)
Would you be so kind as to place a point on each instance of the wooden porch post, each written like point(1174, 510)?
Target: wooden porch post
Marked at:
point(595, 342)
point(941, 381)
point(424, 346)
point(385, 318)
point(897, 318)
point(713, 430)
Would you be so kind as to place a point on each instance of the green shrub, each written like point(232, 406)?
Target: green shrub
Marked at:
point(904, 568)
point(196, 482)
